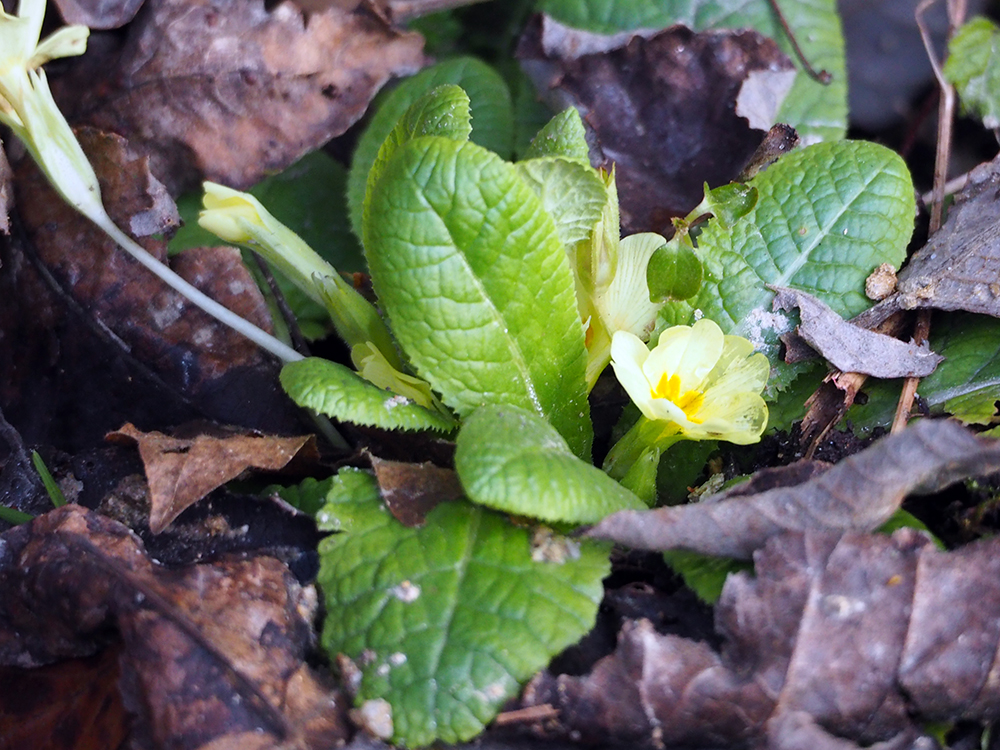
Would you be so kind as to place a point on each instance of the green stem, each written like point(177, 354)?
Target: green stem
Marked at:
point(644, 434)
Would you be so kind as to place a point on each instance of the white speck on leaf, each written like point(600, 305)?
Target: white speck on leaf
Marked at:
point(406, 592)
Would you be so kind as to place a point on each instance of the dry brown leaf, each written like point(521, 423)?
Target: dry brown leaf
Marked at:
point(98, 14)
point(859, 493)
point(93, 339)
point(70, 705)
point(662, 104)
point(181, 471)
point(207, 650)
point(836, 642)
point(411, 491)
point(230, 91)
point(850, 348)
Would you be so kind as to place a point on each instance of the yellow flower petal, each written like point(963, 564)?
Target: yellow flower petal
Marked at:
point(703, 382)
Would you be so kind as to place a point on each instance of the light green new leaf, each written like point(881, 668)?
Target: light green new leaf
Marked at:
point(973, 65)
point(563, 135)
point(491, 110)
point(446, 620)
point(825, 217)
point(571, 192)
point(337, 391)
point(443, 111)
point(510, 460)
point(674, 272)
point(477, 286)
point(814, 110)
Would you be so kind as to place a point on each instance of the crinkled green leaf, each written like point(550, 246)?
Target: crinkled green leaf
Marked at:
point(477, 286)
point(446, 620)
point(491, 111)
point(814, 110)
point(825, 217)
point(674, 272)
point(563, 135)
point(339, 392)
point(443, 111)
point(349, 501)
point(511, 460)
point(571, 192)
point(973, 65)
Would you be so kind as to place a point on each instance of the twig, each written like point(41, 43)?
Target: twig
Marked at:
point(946, 116)
point(294, 332)
point(821, 76)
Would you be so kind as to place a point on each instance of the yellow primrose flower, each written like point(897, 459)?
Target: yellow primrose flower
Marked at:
point(696, 384)
point(27, 107)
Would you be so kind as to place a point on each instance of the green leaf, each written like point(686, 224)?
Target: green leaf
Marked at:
point(53, 489)
point(477, 286)
point(572, 193)
point(563, 135)
point(674, 272)
point(337, 391)
point(703, 574)
point(491, 111)
point(729, 203)
point(443, 111)
point(510, 460)
point(825, 217)
point(973, 65)
point(814, 110)
point(446, 620)
point(966, 384)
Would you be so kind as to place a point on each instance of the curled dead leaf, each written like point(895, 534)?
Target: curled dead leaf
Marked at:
point(859, 493)
point(181, 471)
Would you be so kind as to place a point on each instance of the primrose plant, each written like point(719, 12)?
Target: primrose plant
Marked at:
point(506, 290)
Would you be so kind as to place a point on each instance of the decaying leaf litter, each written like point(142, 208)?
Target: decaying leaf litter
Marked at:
point(840, 637)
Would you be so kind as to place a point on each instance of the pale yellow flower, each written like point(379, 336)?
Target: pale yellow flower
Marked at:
point(696, 384)
point(704, 382)
point(27, 107)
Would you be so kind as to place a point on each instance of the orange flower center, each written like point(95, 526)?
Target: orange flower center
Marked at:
point(690, 402)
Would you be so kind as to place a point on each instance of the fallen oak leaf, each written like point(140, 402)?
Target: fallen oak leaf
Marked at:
point(208, 650)
point(850, 348)
point(181, 471)
point(859, 493)
point(847, 640)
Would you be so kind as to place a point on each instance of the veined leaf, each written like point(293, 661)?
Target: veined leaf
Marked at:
point(825, 217)
point(491, 109)
point(446, 620)
point(339, 392)
point(973, 65)
point(563, 135)
point(477, 286)
point(814, 110)
point(510, 460)
point(572, 193)
point(443, 111)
